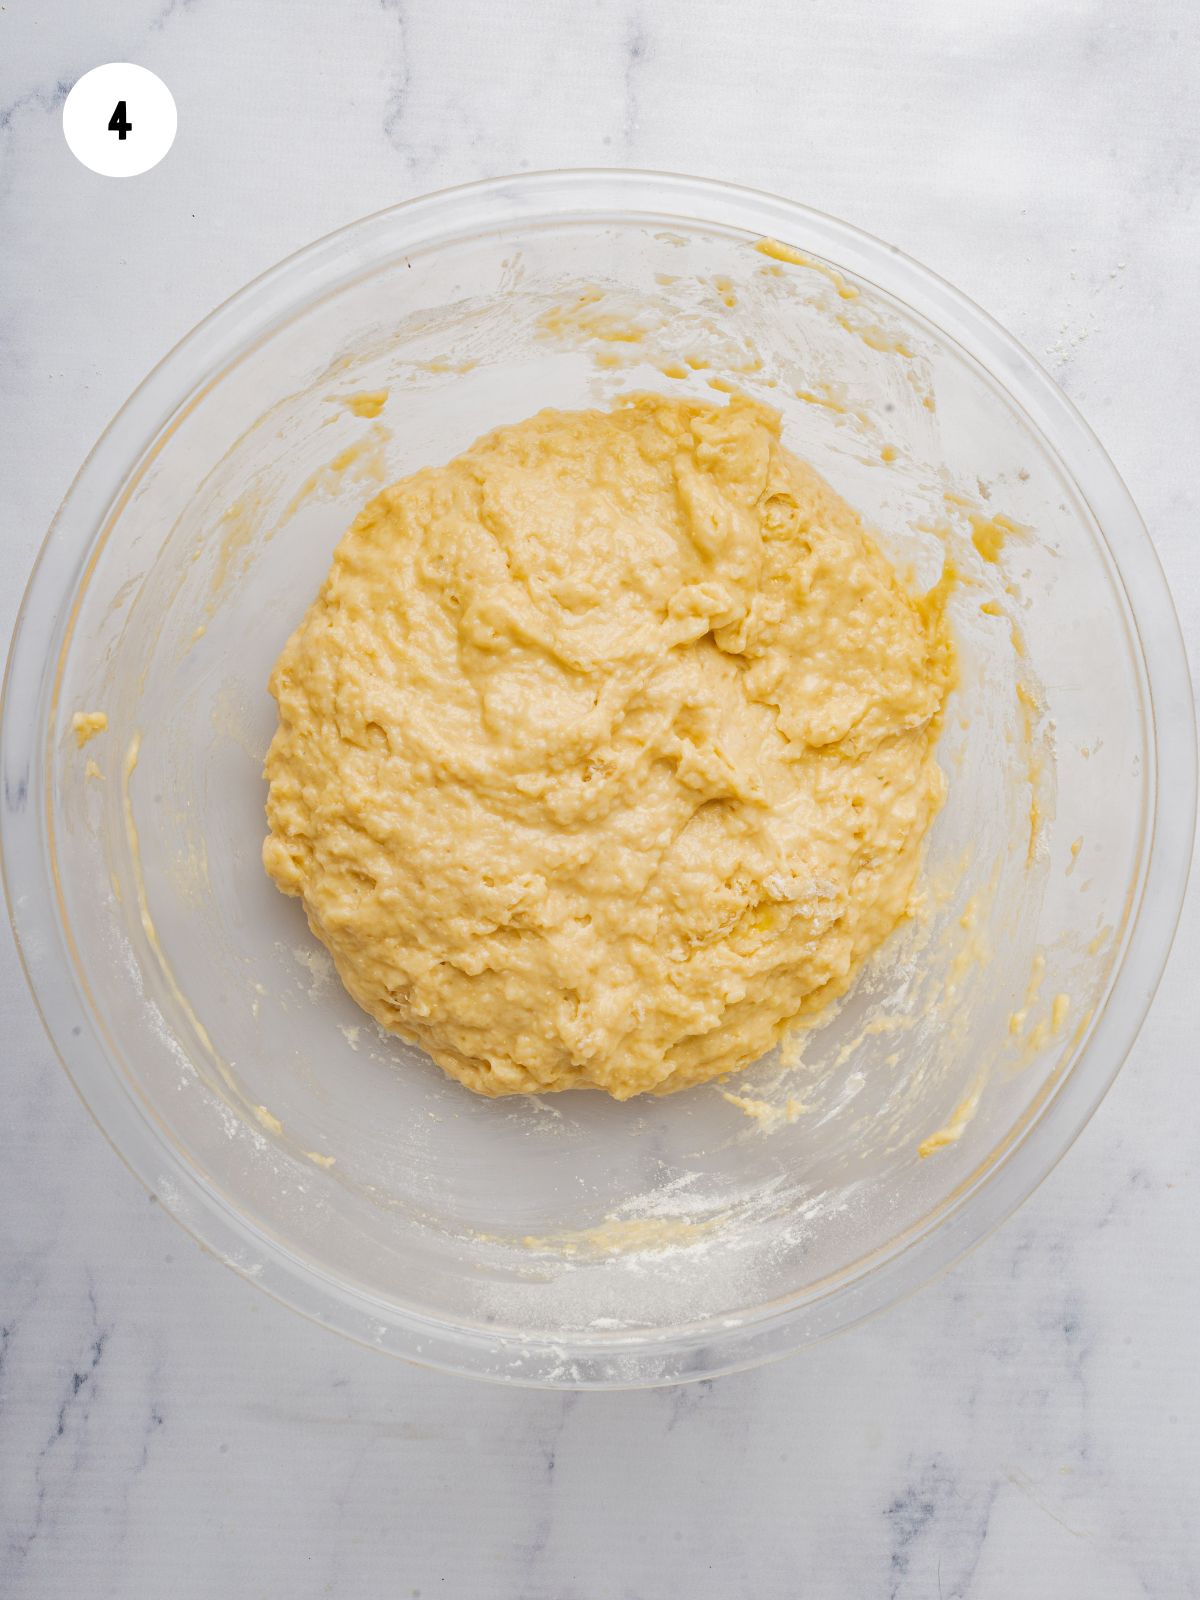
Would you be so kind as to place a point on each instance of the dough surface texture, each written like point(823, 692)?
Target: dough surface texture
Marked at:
point(606, 750)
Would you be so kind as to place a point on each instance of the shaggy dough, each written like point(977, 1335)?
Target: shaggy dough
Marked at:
point(606, 750)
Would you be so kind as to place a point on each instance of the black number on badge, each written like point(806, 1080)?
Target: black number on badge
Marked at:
point(117, 123)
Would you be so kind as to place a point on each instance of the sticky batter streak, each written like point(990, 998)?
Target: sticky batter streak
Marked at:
point(607, 750)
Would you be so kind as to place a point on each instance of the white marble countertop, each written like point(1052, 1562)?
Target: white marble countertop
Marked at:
point(1028, 1425)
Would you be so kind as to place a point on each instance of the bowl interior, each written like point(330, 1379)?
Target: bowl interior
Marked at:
point(547, 1235)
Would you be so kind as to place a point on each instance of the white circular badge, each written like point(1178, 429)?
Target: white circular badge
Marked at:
point(120, 120)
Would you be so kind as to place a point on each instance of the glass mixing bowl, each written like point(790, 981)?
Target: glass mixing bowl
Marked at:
point(572, 1240)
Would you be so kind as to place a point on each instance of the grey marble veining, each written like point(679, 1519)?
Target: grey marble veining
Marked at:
point(1030, 1424)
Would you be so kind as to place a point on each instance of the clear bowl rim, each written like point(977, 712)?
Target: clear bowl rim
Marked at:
point(1025, 1156)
